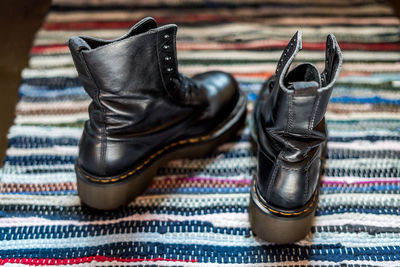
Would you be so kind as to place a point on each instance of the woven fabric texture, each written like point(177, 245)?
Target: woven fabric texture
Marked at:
point(195, 211)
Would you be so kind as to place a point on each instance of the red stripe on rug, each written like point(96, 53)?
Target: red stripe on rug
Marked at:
point(263, 75)
point(43, 187)
point(86, 25)
point(263, 44)
point(54, 48)
point(47, 261)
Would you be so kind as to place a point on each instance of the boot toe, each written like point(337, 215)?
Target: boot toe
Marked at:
point(221, 88)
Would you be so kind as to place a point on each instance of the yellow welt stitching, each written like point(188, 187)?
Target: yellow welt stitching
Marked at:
point(286, 213)
point(181, 142)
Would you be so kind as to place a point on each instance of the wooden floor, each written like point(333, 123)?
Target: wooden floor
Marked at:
point(19, 20)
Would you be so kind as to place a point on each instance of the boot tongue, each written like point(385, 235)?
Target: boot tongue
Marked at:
point(142, 26)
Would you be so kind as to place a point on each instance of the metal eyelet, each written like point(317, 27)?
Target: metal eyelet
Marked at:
point(271, 85)
point(166, 46)
point(166, 36)
point(170, 69)
point(167, 58)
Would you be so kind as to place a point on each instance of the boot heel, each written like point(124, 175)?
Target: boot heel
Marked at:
point(112, 195)
point(279, 229)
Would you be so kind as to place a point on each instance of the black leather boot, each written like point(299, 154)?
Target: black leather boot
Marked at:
point(145, 112)
point(289, 128)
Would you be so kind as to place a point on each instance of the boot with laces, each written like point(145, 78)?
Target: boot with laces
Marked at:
point(144, 112)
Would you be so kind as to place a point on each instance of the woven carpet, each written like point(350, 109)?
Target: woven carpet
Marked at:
point(195, 211)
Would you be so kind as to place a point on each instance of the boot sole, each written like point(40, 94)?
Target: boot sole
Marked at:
point(282, 226)
point(112, 192)
point(279, 226)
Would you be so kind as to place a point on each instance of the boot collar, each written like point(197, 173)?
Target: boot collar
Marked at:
point(333, 62)
point(82, 43)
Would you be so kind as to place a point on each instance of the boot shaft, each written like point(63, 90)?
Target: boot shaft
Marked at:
point(129, 77)
point(145, 60)
point(290, 126)
point(300, 96)
point(100, 62)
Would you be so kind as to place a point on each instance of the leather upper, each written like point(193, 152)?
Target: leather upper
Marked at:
point(290, 127)
point(140, 100)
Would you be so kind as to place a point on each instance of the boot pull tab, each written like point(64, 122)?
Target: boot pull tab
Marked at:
point(309, 88)
point(333, 61)
point(293, 47)
point(76, 44)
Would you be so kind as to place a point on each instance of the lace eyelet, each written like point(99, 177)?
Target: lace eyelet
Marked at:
point(170, 69)
point(167, 58)
point(166, 46)
point(271, 85)
point(166, 36)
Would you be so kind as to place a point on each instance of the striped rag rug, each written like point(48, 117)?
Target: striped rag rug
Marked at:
point(195, 211)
